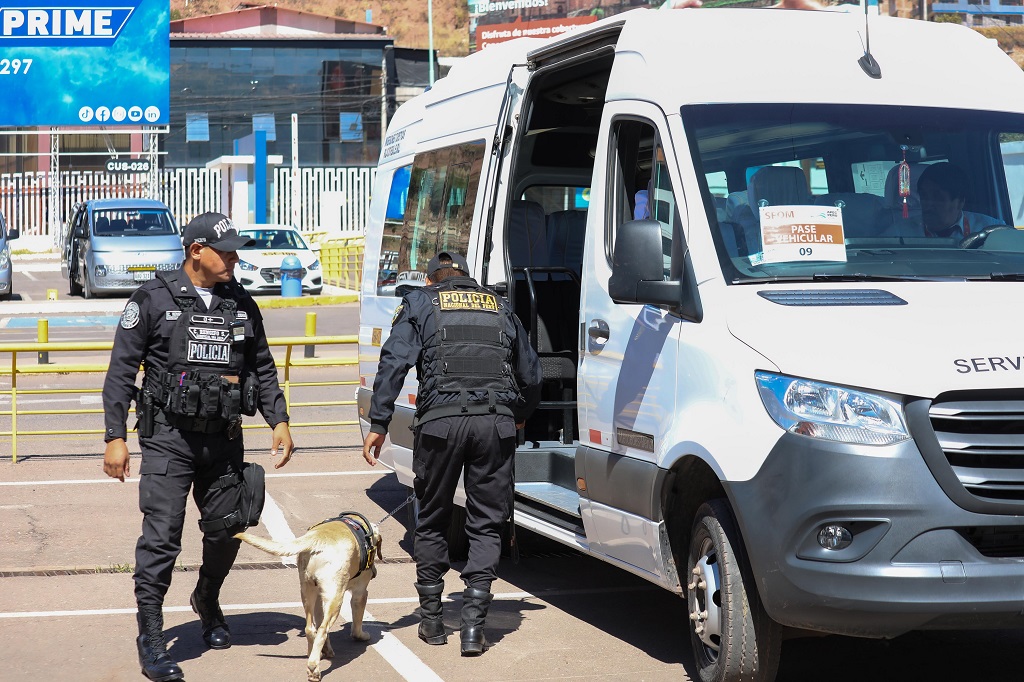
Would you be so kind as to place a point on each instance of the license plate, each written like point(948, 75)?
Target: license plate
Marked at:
point(143, 275)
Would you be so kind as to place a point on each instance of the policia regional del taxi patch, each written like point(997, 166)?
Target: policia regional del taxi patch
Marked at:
point(468, 300)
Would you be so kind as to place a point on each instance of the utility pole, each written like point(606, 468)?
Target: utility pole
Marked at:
point(430, 30)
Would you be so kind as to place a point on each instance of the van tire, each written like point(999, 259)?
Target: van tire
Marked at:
point(87, 291)
point(721, 591)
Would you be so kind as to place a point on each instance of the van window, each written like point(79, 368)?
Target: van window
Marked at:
point(132, 222)
point(643, 189)
point(553, 198)
point(439, 195)
point(824, 190)
point(394, 215)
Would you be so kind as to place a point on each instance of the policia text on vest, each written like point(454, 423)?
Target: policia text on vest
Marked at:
point(201, 342)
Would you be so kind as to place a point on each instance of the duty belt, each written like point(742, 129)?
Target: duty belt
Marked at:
point(198, 424)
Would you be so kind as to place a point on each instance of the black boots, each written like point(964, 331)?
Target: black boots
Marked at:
point(474, 611)
point(431, 628)
point(156, 664)
point(204, 602)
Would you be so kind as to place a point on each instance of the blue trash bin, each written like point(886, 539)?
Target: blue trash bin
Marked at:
point(291, 277)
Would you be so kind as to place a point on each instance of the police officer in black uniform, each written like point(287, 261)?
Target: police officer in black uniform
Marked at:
point(479, 379)
point(200, 339)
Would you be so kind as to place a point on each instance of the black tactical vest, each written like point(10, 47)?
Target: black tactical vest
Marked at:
point(467, 364)
point(204, 348)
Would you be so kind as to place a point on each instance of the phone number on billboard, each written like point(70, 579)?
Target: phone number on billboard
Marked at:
point(14, 67)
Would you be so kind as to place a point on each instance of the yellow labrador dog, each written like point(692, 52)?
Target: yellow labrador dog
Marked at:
point(333, 556)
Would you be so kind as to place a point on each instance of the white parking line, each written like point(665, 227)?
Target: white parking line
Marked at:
point(275, 523)
point(134, 479)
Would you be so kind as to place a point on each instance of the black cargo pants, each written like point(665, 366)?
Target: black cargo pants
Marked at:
point(174, 461)
point(484, 445)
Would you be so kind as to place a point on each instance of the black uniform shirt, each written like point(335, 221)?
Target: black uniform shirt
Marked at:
point(414, 323)
point(143, 338)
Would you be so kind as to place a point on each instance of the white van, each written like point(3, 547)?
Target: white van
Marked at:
point(771, 386)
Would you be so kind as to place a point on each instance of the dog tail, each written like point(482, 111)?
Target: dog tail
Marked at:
point(290, 548)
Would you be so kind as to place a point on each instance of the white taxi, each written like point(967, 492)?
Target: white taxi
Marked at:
point(259, 266)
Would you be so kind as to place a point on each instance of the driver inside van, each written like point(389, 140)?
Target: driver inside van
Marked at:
point(942, 188)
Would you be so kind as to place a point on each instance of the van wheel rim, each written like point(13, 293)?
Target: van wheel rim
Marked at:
point(705, 586)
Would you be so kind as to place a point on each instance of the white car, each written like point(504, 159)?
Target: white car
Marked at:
point(259, 266)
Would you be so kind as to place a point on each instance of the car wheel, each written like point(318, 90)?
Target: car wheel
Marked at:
point(87, 291)
point(732, 636)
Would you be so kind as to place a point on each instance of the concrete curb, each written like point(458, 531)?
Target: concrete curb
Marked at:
point(305, 301)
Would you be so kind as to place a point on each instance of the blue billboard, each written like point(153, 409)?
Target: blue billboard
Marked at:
point(84, 62)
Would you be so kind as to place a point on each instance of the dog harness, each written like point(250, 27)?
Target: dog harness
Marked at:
point(363, 530)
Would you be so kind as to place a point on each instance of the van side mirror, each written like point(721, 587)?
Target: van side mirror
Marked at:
point(80, 232)
point(638, 274)
point(12, 233)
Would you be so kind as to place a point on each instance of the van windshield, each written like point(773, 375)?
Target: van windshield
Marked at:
point(814, 192)
point(132, 222)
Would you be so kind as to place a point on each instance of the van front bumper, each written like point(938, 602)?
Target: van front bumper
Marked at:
point(120, 277)
point(916, 561)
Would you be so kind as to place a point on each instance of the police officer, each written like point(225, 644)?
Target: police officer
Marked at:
point(200, 339)
point(479, 379)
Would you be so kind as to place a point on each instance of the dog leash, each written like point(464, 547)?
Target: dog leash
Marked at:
point(397, 509)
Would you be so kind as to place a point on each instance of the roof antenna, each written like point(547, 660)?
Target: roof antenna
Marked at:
point(867, 62)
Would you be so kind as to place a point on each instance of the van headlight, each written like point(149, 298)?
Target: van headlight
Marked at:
point(315, 265)
point(5, 257)
point(818, 410)
point(247, 266)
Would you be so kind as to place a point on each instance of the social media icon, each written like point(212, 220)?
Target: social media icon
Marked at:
point(119, 114)
point(152, 114)
point(102, 113)
point(135, 114)
point(85, 114)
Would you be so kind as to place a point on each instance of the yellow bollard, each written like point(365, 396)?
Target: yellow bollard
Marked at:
point(51, 294)
point(43, 336)
point(310, 331)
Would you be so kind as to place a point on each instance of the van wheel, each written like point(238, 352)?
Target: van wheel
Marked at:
point(732, 636)
point(74, 288)
point(87, 291)
point(458, 541)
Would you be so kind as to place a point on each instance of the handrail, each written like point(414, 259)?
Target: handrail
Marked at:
point(14, 370)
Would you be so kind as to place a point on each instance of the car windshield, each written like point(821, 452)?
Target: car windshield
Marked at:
point(132, 222)
point(818, 192)
point(274, 239)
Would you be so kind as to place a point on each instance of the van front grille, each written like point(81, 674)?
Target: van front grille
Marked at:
point(982, 438)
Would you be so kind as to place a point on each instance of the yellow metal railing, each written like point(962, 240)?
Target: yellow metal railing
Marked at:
point(342, 261)
point(15, 370)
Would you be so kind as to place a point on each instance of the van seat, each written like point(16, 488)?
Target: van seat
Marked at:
point(566, 233)
point(778, 186)
point(102, 224)
point(864, 214)
point(118, 225)
point(527, 234)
